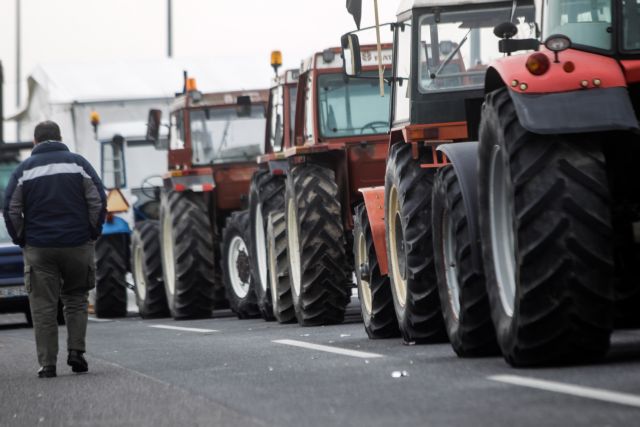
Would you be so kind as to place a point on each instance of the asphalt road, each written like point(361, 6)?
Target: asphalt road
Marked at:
point(228, 372)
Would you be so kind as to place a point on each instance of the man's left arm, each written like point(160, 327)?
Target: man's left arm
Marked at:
point(96, 199)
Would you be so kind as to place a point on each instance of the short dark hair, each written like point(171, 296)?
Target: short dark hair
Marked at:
point(47, 131)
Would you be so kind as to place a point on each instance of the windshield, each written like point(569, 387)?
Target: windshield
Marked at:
point(456, 47)
point(229, 134)
point(585, 22)
point(631, 25)
point(353, 108)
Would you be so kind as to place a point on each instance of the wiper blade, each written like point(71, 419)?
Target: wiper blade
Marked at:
point(448, 59)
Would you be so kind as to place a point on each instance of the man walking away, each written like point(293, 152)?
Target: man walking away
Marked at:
point(55, 205)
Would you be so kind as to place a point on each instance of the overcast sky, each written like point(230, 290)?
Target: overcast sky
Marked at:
point(93, 30)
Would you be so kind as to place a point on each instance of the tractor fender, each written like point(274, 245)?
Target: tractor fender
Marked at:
point(374, 206)
point(593, 97)
point(464, 158)
point(115, 225)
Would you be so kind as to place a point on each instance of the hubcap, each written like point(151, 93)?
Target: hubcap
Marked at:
point(501, 220)
point(396, 244)
point(450, 266)
point(261, 245)
point(168, 259)
point(238, 266)
point(362, 259)
point(138, 271)
point(294, 246)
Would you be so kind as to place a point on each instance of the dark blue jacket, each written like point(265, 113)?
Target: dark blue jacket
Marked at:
point(54, 199)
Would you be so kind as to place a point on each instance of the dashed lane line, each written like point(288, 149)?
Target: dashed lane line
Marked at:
point(329, 349)
point(570, 389)
point(180, 328)
point(95, 319)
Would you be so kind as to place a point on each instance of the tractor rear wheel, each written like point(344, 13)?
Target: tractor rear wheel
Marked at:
point(112, 255)
point(374, 289)
point(318, 270)
point(266, 196)
point(547, 240)
point(186, 242)
point(627, 282)
point(279, 285)
point(146, 266)
point(410, 249)
point(463, 295)
point(236, 271)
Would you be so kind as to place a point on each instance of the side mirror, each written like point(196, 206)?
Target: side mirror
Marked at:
point(244, 106)
point(153, 126)
point(352, 61)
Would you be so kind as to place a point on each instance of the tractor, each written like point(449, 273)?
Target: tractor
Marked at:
point(532, 242)
point(326, 139)
point(202, 228)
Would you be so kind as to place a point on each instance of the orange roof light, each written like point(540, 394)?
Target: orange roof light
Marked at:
point(191, 84)
point(95, 118)
point(276, 58)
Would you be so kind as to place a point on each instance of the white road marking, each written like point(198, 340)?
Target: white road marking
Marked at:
point(328, 349)
point(95, 319)
point(180, 328)
point(574, 390)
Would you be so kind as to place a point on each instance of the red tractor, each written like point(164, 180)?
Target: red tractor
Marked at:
point(214, 139)
point(322, 147)
point(529, 236)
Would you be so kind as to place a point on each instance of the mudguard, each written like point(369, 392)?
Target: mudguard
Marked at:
point(582, 92)
point(117, 225)
point(464, 158)
point(581, 111)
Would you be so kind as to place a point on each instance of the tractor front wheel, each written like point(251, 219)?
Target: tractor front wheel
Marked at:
point(146, 266)
point(112, 254)
point(236, 270)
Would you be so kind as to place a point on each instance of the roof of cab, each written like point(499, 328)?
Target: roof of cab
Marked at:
point(406, 5)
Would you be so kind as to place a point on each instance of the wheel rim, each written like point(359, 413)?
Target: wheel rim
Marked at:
point(294, 246)
point(138, 272)
point(450, 263)
point(501, 220)
point(238, 266)
point(168, 261)
point(396, 245)
point(273, 273)
point(362, 258)
point(261, 252)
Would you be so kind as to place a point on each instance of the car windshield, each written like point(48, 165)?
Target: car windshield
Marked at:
point(586, 22)
point(457, 46)
point(353, 107)
point(228, 134)
point(631, 25)
point(4, 234)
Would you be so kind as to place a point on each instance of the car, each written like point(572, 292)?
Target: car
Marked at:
point(13, 294)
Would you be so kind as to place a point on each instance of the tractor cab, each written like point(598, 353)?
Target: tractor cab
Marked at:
point(444, 47)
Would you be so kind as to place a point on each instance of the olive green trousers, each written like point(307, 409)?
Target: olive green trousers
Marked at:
point(52, 274)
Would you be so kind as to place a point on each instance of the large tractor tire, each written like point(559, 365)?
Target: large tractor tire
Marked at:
point(236, 269)
point(461, 284)
point(112, 264)
point(186, 242)
point(410, 249)
point(266, 196)
point(318, 269)
point(374, 289)
point(547, 240)
point(279, 285)
point(146, 266)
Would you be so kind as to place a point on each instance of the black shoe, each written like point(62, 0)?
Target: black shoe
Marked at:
point(77, 361)
point(47, 372)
